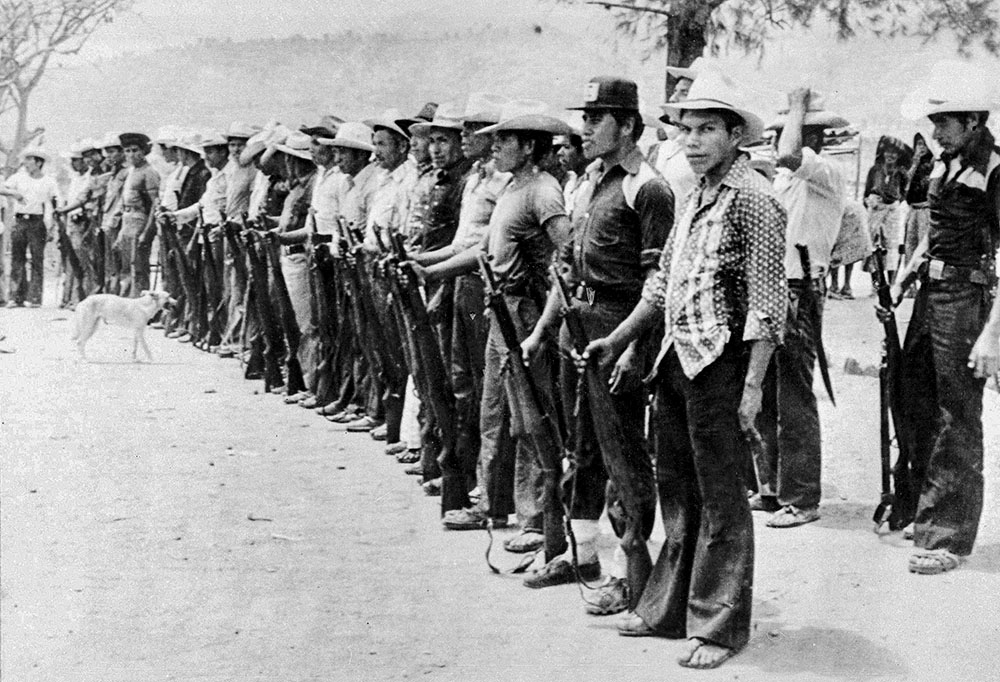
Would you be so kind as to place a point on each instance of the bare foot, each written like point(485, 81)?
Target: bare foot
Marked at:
point(704, 655)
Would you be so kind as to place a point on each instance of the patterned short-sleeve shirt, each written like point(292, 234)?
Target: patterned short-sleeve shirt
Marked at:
point(722, 269)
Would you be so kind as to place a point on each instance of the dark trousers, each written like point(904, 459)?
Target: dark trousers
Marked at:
point(586, 488)
point(470, 327)
point(946, 416)
point(27, 239)
point(789, 464)
point(702, 583)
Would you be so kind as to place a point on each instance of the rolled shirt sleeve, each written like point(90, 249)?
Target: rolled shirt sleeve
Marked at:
point(765, 222)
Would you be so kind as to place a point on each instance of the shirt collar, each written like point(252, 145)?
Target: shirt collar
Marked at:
point(631, 164)
point(739, 175)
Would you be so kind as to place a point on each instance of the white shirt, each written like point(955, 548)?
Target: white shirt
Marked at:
point(171, 187)
point(79, 187)
point(36, 193)
point(326, 199)
point(483, 187)
point(813, 195)
point(258, 196)
point(212, 202)
point(390, 205)
point(673, 165)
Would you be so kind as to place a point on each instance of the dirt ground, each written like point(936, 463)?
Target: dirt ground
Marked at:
point(169, 521)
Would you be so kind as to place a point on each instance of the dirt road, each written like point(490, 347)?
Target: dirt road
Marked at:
point(166, 521)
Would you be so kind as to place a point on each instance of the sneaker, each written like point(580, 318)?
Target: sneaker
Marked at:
point(472, 518)
point(362, 425)
point(560, 572)
point(791, 516)
point(612, 597)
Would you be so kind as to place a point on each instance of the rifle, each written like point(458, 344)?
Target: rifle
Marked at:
point(214, 305)
point(436, 379)
point(66, 247)
point(809, 296)
point(636, 493)
point(555, 535)
point(286, 315)
point(189, 279)
point(897, 507)
point(257, 286)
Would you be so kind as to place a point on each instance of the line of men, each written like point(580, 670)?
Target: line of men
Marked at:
point(488, 290)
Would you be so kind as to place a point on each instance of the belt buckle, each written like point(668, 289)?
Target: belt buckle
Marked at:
point(585, 292)
point(935, 269)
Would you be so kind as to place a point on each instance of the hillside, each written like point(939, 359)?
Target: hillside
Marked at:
point(212, 82)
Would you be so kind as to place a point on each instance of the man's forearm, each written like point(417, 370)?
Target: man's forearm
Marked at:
point(761, 351)
point(639, 320)
point(429, 258)
point(459, 264)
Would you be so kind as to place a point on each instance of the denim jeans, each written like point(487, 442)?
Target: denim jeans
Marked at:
point(789, 464)
point(586, 488)
point(702, 583)
point(27, 238)
point(945, 413)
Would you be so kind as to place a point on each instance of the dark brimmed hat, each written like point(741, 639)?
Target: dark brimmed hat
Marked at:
point(137, 139)
point(610, 92)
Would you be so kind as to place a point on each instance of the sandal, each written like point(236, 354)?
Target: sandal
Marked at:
point(695, 645)
point(934, 561)
point(408, 456)
point(524, 542)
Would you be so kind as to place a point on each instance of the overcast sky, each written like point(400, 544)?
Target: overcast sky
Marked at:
point(155, 23)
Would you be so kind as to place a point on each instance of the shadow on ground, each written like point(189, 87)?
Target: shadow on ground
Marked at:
point(821, 651)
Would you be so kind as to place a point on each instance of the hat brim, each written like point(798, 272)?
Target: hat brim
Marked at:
point(754, 124)
point(345, 144)
point(250, 151)
point(195, 149)
point(298, 153)
point(385, 124)
point(827, 119)
point(602, 107)
point(36, 154)
point(682, 72)
point(537, 123)
point(318, 131)
point(425, 128)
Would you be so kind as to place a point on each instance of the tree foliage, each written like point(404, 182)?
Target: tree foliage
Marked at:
point(749, 24)
point(32, 32)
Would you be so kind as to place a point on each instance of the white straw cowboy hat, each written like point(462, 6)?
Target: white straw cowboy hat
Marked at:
point(110, 140)
point(484, 107)
point(351, 135)
point(276, 138)
point(326, 126)
point(75, 150)
point(260, 140)
point(297, 144)
point(89, 144)
point(528, 115)
point(214, 139)
point(689, 72)
point(389, 120)
point(241, 131)
point(36, 152)
point(816, 115)
point(167, 136)
point(713, 90)
point(190, 141)
point(951, 87)
point(448, 116)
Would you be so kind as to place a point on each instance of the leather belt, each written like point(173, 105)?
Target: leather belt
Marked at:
point(594, 295)
point(29, 216)
point(939, 270)
point(294, 249)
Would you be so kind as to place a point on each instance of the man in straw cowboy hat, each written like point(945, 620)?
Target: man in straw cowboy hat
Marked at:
point(721, 291)
point(621, 220)
point(945, 370)
point(113, 181)
point(812, 191)
point(34, 194)
point(526, 225)
point(469, 324)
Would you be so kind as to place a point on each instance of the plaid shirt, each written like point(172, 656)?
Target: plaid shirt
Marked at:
point(722, 269)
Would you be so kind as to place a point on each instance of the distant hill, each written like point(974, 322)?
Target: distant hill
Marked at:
point(212, 82)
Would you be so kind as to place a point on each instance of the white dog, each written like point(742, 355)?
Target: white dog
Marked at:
point(131, 313)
